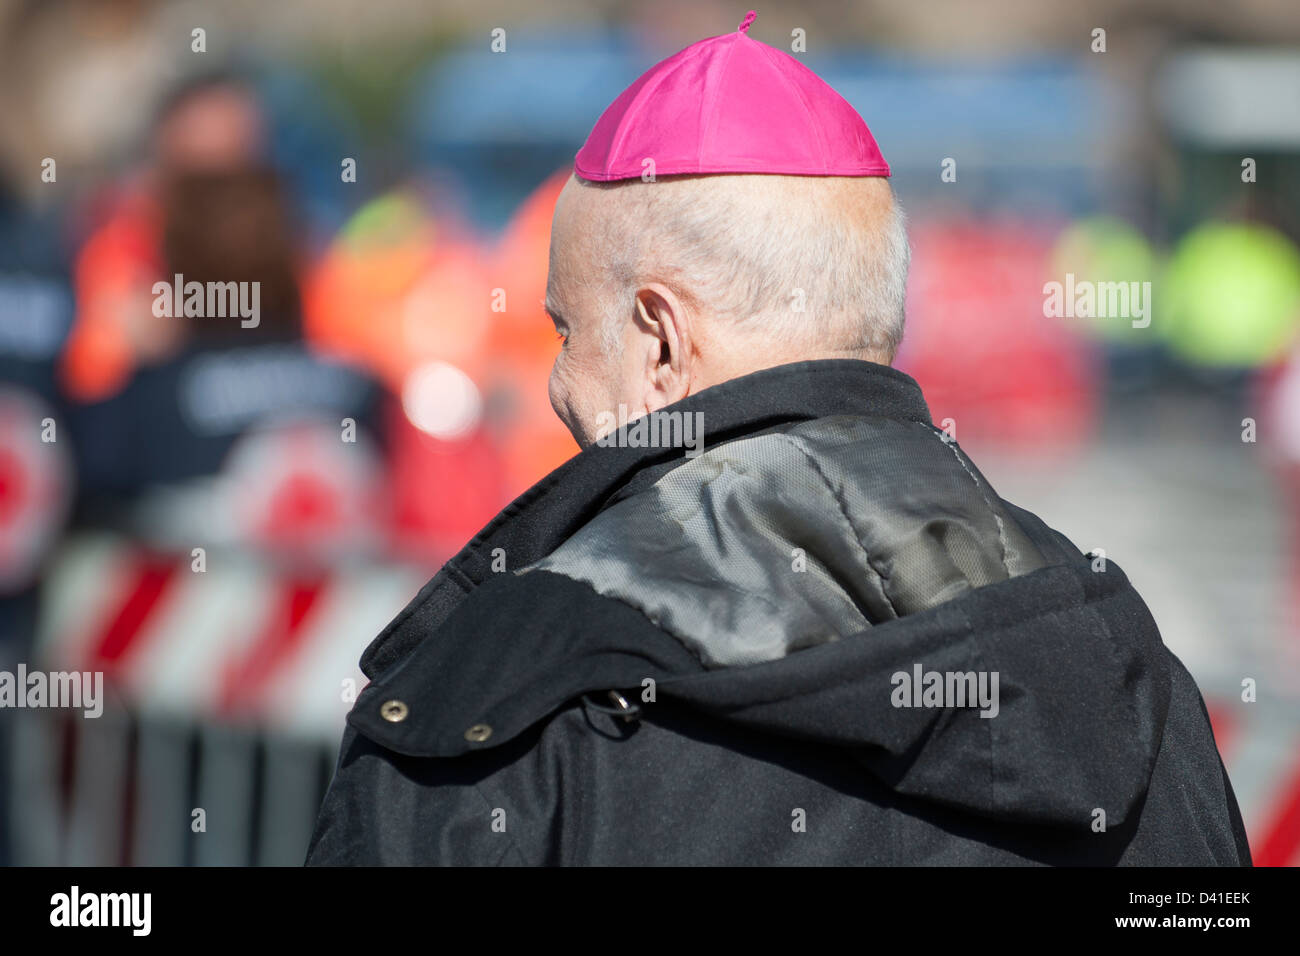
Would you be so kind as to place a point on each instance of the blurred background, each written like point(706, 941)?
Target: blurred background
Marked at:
point(221, 518)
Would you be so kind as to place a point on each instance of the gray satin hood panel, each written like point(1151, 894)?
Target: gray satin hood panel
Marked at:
point(794, 538)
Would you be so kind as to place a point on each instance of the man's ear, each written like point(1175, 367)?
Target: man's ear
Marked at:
point(665, 329)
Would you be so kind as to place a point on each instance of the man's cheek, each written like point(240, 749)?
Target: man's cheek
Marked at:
point(557, 387)
point(560, 391)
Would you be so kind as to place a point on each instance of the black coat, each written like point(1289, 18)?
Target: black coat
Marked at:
point(655, 658)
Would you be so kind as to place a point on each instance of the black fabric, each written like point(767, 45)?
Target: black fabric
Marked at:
point(544, 516)
point(812, 533)
point(1101, 752)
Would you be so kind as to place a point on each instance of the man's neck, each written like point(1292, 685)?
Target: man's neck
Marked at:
point(742, 363)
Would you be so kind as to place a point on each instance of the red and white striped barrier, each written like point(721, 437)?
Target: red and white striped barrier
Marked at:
point(244, 640)
point(243, 643)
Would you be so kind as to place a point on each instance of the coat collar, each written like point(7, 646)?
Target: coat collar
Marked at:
point(547, 514)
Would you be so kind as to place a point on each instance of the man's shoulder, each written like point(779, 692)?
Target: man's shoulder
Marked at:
point(517, 647)
point(804, 533)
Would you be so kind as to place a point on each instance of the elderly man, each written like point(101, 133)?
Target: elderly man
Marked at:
point(810, 632)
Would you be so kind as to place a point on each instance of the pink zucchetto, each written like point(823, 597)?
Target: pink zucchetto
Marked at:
point(729, 104)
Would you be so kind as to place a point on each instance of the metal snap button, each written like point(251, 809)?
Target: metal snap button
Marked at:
point(394, 711)
point(478, 733)
point(628, 711)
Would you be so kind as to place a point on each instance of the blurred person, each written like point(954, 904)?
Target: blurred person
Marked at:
point(207, 158)
point(535, 440)
point(1232, 294)
point(965, 271)
point(36, 475)
point(770, 613)
point(35, 316)
point(1107, 249)
point(187, 348)
point(400, 292)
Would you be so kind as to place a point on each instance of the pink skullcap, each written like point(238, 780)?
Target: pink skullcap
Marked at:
point(730, 104)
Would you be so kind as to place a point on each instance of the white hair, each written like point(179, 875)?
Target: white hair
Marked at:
point(809, 262)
